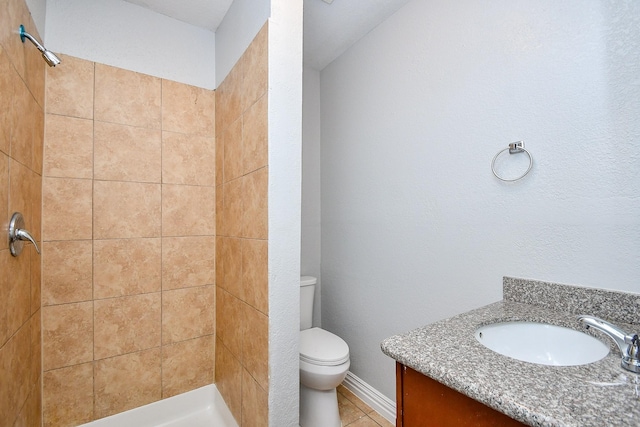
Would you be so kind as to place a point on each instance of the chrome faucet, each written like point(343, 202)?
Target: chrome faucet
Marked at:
point(627, 343)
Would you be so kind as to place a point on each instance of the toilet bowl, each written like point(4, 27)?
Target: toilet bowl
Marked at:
point(324, 363)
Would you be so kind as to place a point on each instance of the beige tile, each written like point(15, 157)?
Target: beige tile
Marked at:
point(349, 412)
point(354, 399)
point(127, 153)
point(232, 212)
point(255, 346)
point(364, 422)
point(187, 365)
point(127, 97)
point(382, 421)
point(36, 279)
point(70, 88)
point(229, 98)
point(67, 334)
point(255, 136)
point(14, 12)
point(219, 158)
point(35, 182)
point(35, 334)
point(126, 382)
point(35, 70)
point(188, 210)
point(228, 373)
point(6, 286)
point(15, 295)
point(255, 196)
point(24, 132)
point(126, 267)
point(68, 396)
point(232, 140)
point(188, 313)
point(31, 413)
point(188, 159)
point(66, 209)
point(20, 191)
point(8, 81)
point(188, 109)
point(14, 371)
point(219, 274)
point(255, 67)
point(126, 210)
point(67, 272)
point(188, 261)
point(255, 270)
point(37, 145)
point(255, 403)
point(219, 209)
point(229, 256)
point(126, 324)
point(230, 322)
point(4, 197)
point(69, 147)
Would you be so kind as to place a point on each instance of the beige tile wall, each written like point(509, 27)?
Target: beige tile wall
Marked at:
point(129, 199)
point(22, 72)
point(242, 347)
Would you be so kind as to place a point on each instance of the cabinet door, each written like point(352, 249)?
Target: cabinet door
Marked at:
point(424, 402)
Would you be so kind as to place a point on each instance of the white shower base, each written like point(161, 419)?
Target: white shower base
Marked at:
point(203, 407)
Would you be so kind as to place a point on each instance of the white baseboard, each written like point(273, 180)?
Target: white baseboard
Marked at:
point(372, 397)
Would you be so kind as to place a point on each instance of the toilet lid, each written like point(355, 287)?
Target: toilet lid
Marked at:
point(323, 348)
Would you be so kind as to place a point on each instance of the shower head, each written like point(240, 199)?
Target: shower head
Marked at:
point(48, 56)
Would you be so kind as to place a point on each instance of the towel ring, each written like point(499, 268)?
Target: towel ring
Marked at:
point(514, 147)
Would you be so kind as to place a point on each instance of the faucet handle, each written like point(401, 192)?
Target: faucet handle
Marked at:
point(633, 352)
point(17, 235)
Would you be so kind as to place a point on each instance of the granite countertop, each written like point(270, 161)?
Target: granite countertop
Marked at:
point(597, 394)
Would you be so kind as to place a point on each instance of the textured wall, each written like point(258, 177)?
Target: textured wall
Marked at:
point(235, 33)
point(415, 227)
point(285, 157)
point(310, 244)
point(21, 132)
point(129, 240)
point(125, 35)
point(242, 294)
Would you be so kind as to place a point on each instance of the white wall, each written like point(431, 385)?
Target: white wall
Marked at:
point(125, 35)
point(310, 243)
point(415, 227)
point(285, 146)
point(236, 31)
point(38, 10)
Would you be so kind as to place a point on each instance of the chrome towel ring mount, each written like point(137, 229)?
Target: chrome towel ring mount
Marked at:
point(514, 148)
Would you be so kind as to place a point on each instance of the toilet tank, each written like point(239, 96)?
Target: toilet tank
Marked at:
point(307, 291)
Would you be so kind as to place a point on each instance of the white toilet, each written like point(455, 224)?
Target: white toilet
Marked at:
point(324, 362)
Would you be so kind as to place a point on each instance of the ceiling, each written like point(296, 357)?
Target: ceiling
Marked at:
point(201, 13)
point(329, 29)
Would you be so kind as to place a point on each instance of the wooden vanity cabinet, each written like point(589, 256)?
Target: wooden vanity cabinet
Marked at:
point(424, 402)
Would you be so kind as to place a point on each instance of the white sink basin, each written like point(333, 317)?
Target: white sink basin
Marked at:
point(541, 343)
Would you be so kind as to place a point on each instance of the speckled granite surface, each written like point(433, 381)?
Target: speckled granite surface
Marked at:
point(611, 305)
point(593, 395)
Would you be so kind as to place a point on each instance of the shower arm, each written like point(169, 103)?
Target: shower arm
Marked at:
point(24, 34)
point(50, 58)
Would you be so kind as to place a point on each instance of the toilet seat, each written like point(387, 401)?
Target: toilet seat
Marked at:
point(320, 347)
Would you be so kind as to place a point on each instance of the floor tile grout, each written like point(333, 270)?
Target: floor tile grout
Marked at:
point(362, 410)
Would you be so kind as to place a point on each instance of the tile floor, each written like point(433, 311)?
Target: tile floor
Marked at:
point(355, 413)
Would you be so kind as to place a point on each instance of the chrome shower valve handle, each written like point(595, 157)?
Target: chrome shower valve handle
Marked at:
point(18, 235)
